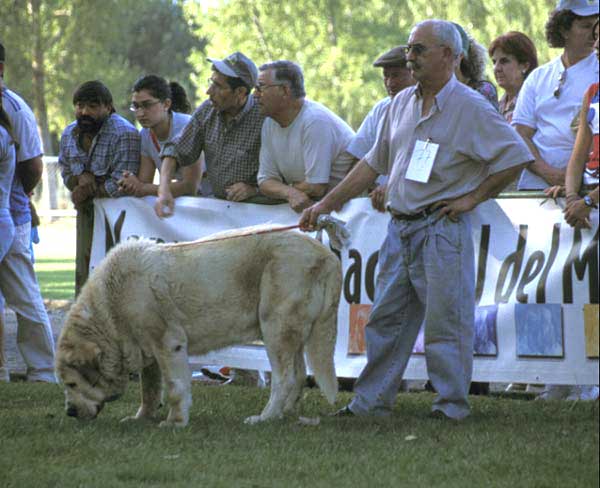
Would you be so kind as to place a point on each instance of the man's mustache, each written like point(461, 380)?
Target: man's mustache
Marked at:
point(87, 123)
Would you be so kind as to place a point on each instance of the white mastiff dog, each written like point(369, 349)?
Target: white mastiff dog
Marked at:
point(147, 306)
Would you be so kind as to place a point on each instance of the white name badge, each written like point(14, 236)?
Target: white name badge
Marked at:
point(421, 161)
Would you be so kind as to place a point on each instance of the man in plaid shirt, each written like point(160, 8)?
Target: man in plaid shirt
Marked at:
point(227, 128)
point(95, 150)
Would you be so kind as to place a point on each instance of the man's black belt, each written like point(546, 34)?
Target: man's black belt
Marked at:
point(416, 216)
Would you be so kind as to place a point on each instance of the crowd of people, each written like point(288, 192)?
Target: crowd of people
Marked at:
point(428, 153)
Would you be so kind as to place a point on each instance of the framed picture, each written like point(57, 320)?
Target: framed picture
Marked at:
point(590, 319)
point(539, 330)
point(485, 338)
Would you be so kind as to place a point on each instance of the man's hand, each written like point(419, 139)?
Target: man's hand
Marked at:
point(87, 181)
point(555, 191)
point(129, 184)
point(298, 200)
point(453, 208)
point(80, 194)
point(377, 197)
point(309, 216)
point(240, 191)
point(165, 205)
point(577, 214)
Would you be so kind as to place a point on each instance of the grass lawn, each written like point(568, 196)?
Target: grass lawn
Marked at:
point(506, 442)
point(56, 277)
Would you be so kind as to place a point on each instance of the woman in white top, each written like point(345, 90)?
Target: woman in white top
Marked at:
point(162, 110)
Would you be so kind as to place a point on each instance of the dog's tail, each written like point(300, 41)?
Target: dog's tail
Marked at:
point(320, 347)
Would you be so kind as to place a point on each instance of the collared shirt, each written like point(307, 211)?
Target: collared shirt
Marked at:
point(231, 149)
point(474, 142)
point(551, 116)
point(24, 129)
point(115, 149)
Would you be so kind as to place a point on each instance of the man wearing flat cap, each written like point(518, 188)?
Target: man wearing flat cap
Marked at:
point(396, 77)
point(227, 128)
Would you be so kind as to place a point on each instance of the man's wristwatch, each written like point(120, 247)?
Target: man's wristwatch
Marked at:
point(589, 202)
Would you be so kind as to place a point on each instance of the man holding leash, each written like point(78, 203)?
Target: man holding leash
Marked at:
point(446, 150)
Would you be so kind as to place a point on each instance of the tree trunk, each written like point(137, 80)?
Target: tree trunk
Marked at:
point(39, 75)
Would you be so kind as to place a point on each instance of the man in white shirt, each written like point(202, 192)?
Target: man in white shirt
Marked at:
point(551, 96)
point(303, 144)
point(396, 77)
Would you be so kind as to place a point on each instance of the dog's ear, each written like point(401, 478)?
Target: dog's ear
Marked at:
point(81, 352)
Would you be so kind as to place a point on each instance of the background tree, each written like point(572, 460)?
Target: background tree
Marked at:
point(54, 45)
point(336, 41)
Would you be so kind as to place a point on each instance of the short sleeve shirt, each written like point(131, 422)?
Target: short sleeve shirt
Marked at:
point(25, 131)
point(311, 149)
point(367, 132)
point(7, 167)
point(474, 142)
point(551, 116)
point(230, 148)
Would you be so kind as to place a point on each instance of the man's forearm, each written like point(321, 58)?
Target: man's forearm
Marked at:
point(358, 180)
point(30, 173)
point(313, 190)
point(495, 183)
point(167, 170)
point(275, 189)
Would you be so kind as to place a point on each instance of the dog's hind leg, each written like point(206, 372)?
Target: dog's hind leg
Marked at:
point(172, 359)
point(284, 348)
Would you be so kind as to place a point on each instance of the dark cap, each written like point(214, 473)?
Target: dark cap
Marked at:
point(394, 57)
point(237, 65)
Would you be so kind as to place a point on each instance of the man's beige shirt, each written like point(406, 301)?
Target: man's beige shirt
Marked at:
point(474, 142)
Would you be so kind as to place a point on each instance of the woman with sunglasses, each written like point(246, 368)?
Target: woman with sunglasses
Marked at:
point(162, 109)
point(551, 95)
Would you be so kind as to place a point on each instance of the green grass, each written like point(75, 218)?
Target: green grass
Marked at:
point(56, 277)
point(505, 442)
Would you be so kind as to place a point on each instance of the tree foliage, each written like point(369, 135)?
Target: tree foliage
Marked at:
point(115, 41)
point(54, 45)
point(336, 41)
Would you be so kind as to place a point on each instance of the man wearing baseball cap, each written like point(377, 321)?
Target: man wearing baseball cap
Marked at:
point(396, 77)
point(227, 128)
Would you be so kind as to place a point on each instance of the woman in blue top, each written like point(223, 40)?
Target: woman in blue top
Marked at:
point(162, 110)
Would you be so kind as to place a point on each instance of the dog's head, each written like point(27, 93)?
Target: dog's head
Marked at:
point(92, 375)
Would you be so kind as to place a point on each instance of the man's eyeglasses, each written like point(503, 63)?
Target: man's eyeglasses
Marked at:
point(145, 105)
point(561, 82)
point(418, 49)
point(262, 88)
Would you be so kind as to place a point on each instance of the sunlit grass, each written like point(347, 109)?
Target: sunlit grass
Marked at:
point(506, 442)
point(56, 277)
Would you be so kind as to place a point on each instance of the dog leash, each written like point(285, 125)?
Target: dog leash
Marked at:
point(335, 228)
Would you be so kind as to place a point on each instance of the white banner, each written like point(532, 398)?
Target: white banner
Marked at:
point(537, 282)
